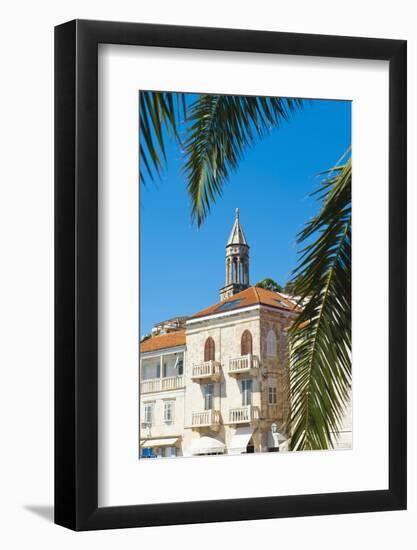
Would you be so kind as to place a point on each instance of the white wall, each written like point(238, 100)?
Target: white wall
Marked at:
point(26, 300)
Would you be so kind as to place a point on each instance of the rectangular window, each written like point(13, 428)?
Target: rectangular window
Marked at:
point(147, 413)
point(166, 452)
point(246, 392)
point(208, 396)
point(170, 452)
point(272, 395)
point(169, 411)
point(164, 370)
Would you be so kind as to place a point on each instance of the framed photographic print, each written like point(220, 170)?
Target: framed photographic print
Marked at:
point(230, 275)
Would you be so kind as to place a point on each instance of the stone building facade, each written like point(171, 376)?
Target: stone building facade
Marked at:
point(218, 382)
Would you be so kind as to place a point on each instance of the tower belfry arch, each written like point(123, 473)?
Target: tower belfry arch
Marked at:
point(237, 261)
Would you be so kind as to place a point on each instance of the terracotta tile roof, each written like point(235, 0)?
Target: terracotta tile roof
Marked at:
point(249, 297)
point(169, 340)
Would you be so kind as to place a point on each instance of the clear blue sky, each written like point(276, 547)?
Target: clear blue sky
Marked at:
point(182, 267)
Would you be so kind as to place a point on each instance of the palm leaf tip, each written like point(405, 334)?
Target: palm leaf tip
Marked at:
point(320, 339)
point(220, 128)
point(159, 115)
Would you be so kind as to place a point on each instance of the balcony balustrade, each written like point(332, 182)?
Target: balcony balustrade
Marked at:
point(245, 364)
point(205, 419)
point(243, 415)
point(209, 370)
point(162, 384)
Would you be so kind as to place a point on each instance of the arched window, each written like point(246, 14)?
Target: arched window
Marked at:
point(271, 343)
point(209, 350)
point(246, 343)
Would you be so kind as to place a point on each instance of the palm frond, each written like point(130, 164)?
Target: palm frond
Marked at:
point(159, 114)
point(220, 128)
point(320, 339)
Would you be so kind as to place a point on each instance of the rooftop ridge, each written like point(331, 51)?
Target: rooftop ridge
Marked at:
point(249, 297)
point(168, 340)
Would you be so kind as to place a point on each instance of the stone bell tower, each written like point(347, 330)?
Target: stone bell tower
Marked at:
point(237, 262)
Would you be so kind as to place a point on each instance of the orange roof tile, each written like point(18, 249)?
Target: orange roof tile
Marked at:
point(249, 297)
point(169, 340)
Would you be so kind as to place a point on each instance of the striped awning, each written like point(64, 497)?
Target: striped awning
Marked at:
point(166, 442)
point(207, 445)
point(240, 440)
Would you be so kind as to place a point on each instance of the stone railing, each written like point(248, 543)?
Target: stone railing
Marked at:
point(162, 384)
point(150, 386)
point(239, 415)
point(208, 369)
point(205, 418)
point(244, 363)
point(172, 383)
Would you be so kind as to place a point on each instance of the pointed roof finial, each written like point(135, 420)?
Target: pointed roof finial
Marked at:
point(237, 236)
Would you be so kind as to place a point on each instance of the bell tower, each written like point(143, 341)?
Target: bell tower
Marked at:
point(237, 262)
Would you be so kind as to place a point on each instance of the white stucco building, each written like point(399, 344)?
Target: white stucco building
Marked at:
point(218, 381)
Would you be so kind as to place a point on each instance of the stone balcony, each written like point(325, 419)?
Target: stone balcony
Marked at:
point(205, 419)
point(161, 384)
point(244, 364)
point(244, 415)
point(207, 371)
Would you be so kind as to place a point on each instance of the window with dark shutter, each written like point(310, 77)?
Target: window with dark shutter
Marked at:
point(209, 350)
point(246, 343)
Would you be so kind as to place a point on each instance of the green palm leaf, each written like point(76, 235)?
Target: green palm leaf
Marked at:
point(159, 116)
point(320, 340)
point(220, 128)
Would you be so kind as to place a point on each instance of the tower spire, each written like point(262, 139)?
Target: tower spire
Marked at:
point(237, 261)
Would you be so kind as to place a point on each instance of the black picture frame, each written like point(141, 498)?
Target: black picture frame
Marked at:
point(76, 272)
